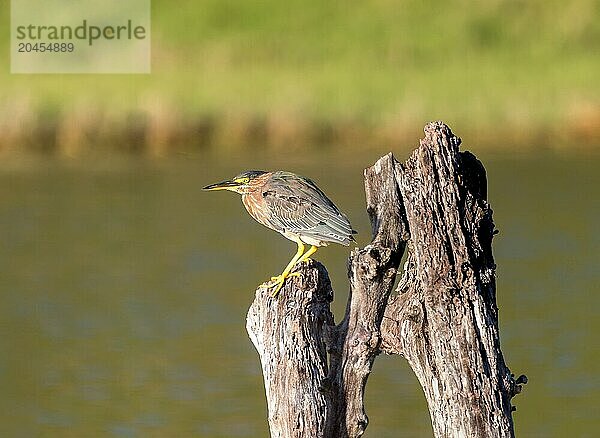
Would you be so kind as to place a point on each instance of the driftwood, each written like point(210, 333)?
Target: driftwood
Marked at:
point(443, 318)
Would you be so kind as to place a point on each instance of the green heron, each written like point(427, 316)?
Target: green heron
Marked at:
point(293, 206)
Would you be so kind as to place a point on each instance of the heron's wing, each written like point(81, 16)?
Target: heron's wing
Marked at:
point(298, 206)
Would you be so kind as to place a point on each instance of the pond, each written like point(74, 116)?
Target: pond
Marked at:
point(125, 288)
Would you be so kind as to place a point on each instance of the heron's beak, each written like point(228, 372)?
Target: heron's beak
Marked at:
point(224, 185)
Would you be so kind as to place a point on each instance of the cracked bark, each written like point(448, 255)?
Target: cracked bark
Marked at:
point(443, 318)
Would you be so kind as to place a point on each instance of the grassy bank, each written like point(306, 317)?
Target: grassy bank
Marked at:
point(230, 74)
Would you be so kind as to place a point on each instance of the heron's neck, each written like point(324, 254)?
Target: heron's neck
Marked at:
point(255, 207)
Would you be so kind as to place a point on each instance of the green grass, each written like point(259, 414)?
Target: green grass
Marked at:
point(524, 65)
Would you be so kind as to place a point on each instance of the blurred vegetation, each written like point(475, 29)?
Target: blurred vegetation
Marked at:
point(510, 73)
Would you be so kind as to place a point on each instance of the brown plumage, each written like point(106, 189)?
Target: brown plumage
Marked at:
point(293, 206)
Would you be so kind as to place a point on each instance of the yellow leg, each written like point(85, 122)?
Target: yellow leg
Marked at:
point(280, 279)
point(307, 254)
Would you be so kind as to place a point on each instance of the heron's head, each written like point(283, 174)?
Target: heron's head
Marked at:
point(245, 182)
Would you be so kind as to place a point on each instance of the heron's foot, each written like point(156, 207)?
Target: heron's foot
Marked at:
point(278, 286)
point(279, 277)
point(279, 282)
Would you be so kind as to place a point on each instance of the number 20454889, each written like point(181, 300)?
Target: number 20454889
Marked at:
point(45, 47)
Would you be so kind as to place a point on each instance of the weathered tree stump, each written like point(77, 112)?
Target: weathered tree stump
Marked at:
point(288, 334)
point(443, 319)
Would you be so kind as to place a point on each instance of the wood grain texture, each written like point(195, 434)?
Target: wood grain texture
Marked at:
point(443, 318)
point(287, 332)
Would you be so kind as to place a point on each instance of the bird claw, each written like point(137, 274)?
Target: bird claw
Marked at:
point(282, 277)
point(280, 280)
point(277, 288)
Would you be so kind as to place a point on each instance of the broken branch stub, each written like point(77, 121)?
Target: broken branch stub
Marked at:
point(287, 332)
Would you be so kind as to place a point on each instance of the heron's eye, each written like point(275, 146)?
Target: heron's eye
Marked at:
point(243, 180)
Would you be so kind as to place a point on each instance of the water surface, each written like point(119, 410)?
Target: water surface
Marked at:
point(124, 292)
